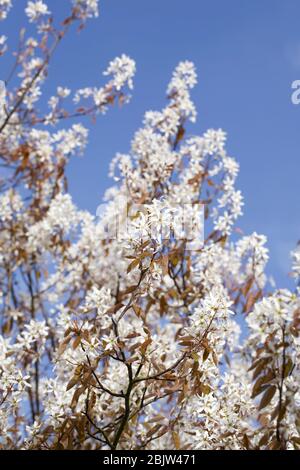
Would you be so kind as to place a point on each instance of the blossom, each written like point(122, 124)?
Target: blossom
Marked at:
point(184, 78)
point(3, 45)
point(296, 261)
point(5, 6)
point(63, 92)
point(122, 69)
point(2, 100)
point(214, 141)
point(86, 8)
point(36, 9)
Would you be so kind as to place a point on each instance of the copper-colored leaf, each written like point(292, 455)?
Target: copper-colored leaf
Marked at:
point(246, 441)
point(145, 345)
point(288, 367)
point(176, 440)
point(205, 354)
point(247, 286)
point(267, 397)
point(115, 308)
point(133, 265)
point(264, 439)
point(63, 345)
point(153, 430)
point(137, 310)
point(76, 342)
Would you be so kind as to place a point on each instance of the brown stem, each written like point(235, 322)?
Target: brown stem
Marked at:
point(127, 408)
point(19, 101)
point(279, 417)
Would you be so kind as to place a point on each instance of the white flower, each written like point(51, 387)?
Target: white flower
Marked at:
point(224, 223)
point(36, 9)
point(214, 141)
point(109, 342)
point(122, 69)
point(86, 8)
point(184, 76)
point(63, 92)
point(296, 261)
point(72, 140)
point(2, 40)
point(5, 6)
point(2, 100)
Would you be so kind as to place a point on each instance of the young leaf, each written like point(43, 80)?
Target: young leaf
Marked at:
point(267, 396)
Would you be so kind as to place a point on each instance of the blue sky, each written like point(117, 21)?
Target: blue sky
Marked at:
point(247, 54)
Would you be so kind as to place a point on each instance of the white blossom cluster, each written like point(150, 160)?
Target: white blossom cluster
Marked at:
point(3, 44)
point(2, 101)
point(296, 262)
point(86, 8)
point(5, 6)
point(122, 70)
point(36, 9)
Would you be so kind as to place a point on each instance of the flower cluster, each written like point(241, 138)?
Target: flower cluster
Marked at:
point(296, 262)
point(5, 6)
point(36, 10)
point(2, 101)
point(122, 70)
point(86, 8)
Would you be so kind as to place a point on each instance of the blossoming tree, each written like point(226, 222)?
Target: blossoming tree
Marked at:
point(132, 341)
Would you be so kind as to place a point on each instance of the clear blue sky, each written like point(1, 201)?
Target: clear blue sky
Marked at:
point(247, 54)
